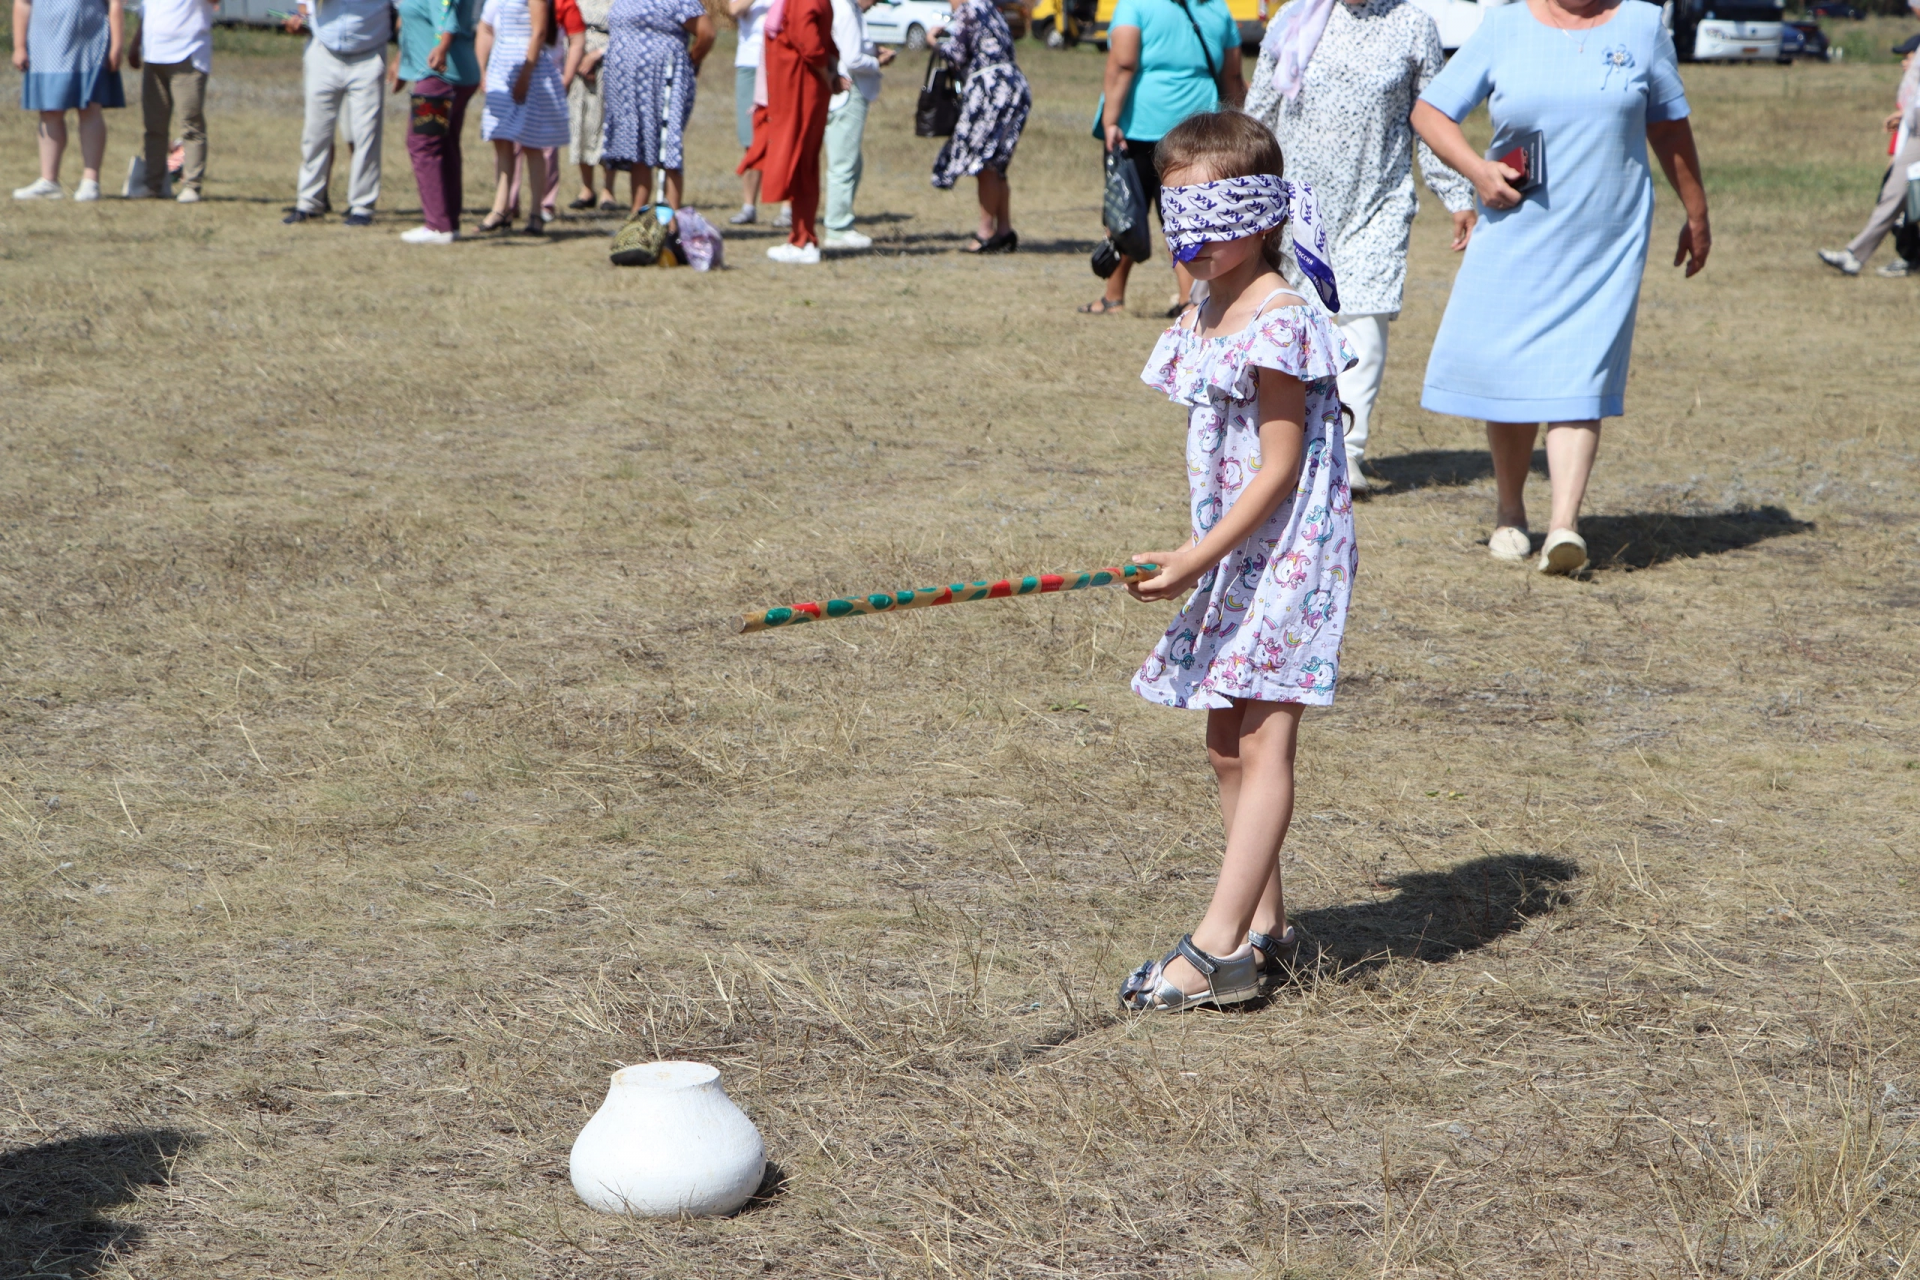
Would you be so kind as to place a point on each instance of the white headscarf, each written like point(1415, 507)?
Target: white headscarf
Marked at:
point(1291, 41)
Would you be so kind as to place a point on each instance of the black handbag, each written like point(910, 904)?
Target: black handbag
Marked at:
point(1124, 210)
point(939, 108)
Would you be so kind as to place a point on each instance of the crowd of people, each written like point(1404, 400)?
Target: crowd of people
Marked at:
point(614, 81)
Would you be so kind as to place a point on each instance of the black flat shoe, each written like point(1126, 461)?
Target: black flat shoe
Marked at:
point(1006, 242)
point(491, 224)
point(584, 202)
point(297, 216)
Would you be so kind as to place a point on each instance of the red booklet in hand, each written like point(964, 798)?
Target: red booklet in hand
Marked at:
point(1526, 153)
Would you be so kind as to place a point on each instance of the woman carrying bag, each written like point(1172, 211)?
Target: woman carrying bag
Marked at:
point(1166, 60)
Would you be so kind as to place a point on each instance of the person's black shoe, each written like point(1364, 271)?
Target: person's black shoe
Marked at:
point(359, 218)
point(297, 216)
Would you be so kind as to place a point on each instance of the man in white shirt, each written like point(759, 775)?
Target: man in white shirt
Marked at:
point(176, 46)
point(857, 85)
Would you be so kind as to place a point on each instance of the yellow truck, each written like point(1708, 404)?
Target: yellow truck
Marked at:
point(1065, 23)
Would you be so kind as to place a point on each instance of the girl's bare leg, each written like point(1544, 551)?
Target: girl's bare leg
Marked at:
point(503, 164)
point(53, 143)
point(675, 188)
point(641, 180)
point(1571, 449)
point(1252, 749)
point(1511, 444)
point(536, 183)
point(586, 183)
point(93, 141)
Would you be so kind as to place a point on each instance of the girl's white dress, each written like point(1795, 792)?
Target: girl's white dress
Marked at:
point(540, 121)
point(1265, 623)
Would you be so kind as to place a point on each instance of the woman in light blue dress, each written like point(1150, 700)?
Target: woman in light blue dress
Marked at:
point(69, 54)
point(1540, 324)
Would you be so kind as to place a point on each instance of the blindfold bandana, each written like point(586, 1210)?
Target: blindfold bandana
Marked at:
point(1233, 208)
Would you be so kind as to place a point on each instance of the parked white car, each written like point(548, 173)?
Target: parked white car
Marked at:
point(1712, 31)
point(906, 21)
point(1457, 19)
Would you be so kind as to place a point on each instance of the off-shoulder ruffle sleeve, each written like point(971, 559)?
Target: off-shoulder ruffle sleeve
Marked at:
point(1297, 340)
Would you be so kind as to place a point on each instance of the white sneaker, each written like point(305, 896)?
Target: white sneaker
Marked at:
point(427, 235)
point(88, 190)
point(41, 190)
point(796, 255)
point(1896, 269)
point(187, 196)
point(1510, 544)
point(1841, 260)
point(850, 240)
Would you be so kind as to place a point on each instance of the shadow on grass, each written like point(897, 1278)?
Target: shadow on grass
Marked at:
point(1645, 540)
point(773, 1185)
point(53, 1199)
point(1436, 915)
point(1437, 468)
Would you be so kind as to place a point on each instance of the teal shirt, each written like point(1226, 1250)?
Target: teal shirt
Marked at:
point(1172, 82)
point(422, 22)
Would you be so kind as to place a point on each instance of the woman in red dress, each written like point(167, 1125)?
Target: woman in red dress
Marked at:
point(797, 61)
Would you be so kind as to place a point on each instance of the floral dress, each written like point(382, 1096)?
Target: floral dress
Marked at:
point(994, 98)
point(1265, 623)
point(647, 41)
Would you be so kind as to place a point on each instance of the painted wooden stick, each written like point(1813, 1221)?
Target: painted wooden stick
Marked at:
point(788, 615)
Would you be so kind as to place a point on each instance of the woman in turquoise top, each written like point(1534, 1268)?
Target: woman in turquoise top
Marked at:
point(437, 58)
point(1166, 60)
point(1540, 324)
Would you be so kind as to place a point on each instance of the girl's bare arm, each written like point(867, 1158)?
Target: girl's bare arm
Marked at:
point(1283, 435)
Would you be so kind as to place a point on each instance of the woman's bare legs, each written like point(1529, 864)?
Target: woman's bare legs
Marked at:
point(93, 141)
point(53, 143)
point(750, 189)
point(996, 201)
point(1251, 746)
point(642, 181)
point(1571, 449)
point(536, 184)
point(1116, 293)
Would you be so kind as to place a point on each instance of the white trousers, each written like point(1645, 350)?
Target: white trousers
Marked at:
point(331, 82)
point(1360, 385)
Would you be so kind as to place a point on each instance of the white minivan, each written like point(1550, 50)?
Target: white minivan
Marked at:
point(1457, 19)
point(1718, 31)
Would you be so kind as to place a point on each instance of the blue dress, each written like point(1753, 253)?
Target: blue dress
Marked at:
point(1540, 324)
point(67, 43)
point(646, 38)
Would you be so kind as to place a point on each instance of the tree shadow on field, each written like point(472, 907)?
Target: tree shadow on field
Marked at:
point(1434, 916)
point(1644, 540)
point(53, 1199)
point(1435, 468)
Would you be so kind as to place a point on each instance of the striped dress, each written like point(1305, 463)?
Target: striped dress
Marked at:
point(540, 121)
point(67, 44)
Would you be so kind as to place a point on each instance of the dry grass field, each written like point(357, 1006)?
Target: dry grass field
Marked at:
point(377, 772)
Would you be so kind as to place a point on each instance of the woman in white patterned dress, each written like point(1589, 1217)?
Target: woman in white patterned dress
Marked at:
point(526, 100)
point(1336, 82)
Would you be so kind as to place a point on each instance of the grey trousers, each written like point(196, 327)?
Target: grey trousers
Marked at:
point(332, 82)
point(1892, 196)
point(162, 87)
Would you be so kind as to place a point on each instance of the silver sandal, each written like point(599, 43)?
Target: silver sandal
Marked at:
point(1282, 955)
point(1230, 980)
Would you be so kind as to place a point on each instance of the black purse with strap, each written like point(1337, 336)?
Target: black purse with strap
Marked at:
point(939, 107)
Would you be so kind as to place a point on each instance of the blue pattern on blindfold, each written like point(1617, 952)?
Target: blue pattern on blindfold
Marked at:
point(1233, 208)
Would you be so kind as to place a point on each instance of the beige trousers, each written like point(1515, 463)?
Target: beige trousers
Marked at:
point(1892, 196)
point(163, 86)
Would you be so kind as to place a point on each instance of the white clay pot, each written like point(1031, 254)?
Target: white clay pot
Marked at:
point(668, 1141)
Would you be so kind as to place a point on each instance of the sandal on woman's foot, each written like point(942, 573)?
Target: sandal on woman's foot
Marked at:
point(495, 222)
point(1275, 958)
point(1230, 980)
point(1511, 544)
point(1101, 307)
point(1565, 552)
point(1001, 242)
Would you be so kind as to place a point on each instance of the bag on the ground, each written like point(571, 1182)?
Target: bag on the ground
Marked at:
point(647, 239)
point(700, 242)
point(1124, 209)
point(939, 108)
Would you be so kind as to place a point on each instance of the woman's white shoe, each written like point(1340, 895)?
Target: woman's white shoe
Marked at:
point(42, 189)
point(1564, 552)
point(1510, 544)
